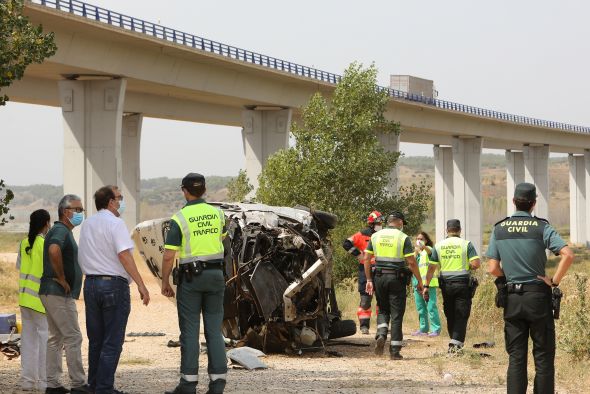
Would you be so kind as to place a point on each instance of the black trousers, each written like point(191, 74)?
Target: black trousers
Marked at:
point(391, 298)
point(530, 314)
point(457, 308)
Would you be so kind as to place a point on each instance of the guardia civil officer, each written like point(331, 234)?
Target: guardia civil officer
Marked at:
point(517, 252)
point(394, 254)
point(196, 233)
point(457, 259)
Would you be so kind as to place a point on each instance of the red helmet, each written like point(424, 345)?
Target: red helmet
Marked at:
point(375, 217)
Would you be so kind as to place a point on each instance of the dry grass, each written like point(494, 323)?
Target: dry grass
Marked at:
point(9, 242)
point(8, 287)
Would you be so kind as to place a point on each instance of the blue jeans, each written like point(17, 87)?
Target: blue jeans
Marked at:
point(108, 304)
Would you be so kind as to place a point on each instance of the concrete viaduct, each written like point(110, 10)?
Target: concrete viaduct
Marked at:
point(111, 70)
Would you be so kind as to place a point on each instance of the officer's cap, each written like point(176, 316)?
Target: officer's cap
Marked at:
point(193, 180)
point(525, 191)
point(397, 215)
point(453, 223)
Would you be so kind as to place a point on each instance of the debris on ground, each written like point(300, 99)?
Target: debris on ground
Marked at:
point(247, 357)
point(146, 334)
point(484, 345)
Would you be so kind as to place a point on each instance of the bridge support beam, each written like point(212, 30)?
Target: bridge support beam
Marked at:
point(131, 175)
point(390, 143)
point(514, 176)
point(264, 132)
point(443, 189)
point(93, 115)
point(467, 187)
point(536, 171)
point(578, 166)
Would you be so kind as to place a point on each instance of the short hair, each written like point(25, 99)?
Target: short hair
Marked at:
point(103, 196)
point(196, 191)
point(524, 205)
point(65, 203)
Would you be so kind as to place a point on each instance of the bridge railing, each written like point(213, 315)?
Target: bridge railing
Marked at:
point(181, 38)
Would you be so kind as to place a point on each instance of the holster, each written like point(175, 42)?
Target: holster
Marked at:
point(175, 276)
point(188, 270)
point(473, 283)
point(556, 295)
point(502, 292)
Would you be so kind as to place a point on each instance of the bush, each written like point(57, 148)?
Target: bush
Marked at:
point(573, 326)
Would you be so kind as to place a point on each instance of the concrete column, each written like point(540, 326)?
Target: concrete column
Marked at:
point(467, 188)
point(536, 171)
point(130, 185)
point(443, 188)
point(264, 132)
point(390, 143)
point(92, 113)
point(514, 176)
point(577, 167)
point(586, 193)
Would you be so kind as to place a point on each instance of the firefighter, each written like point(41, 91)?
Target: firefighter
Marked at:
point(356, 245)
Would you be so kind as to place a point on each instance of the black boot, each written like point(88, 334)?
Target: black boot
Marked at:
point(380, 345)
point(184, 387)
point(394, 353)
point(216, 387)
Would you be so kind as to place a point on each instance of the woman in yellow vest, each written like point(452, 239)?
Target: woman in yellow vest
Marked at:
point(34, 323)
point(427, 311)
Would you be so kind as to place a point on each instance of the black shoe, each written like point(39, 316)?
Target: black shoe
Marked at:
point(178, 390)
point(396, 356)
point(216, 387)
point(365, 330)
point(56, 390)
point(81, 390)
point(379, 345)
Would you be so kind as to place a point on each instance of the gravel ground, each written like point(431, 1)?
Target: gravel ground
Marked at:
point(148, 366)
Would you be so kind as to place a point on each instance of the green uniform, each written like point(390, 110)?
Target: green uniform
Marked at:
point(390, 247)
point(453, 255)
point(427, 311)
point(61, 236)
point(519, 243)
point(197, 232)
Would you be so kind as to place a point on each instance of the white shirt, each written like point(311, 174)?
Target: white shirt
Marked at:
point(102, 237)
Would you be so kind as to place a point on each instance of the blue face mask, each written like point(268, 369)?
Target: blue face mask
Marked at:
point(122, 207)
point(77, 219)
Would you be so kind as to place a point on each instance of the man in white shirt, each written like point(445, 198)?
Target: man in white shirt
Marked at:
point(105, 256)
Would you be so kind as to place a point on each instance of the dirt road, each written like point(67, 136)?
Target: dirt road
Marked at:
point(149, 366)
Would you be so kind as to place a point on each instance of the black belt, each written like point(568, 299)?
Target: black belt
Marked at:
point(206, 265)
point(454, 280)
point(528, 287)
point(107, 277)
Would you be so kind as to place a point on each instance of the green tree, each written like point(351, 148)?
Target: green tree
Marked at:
point(239, 187)
point(21, 43)
point(6, 196)
point(339, 165)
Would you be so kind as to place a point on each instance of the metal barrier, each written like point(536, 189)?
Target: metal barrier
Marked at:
point(178, 37)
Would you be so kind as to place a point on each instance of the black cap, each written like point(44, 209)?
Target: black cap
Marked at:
point(525, 191)
point(397, 215)
point(453, 223)
point(193, 180)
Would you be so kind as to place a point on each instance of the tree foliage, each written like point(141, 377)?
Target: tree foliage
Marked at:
point(338, 163)
point(21, 43)
point(239, 187)
point(6, 196)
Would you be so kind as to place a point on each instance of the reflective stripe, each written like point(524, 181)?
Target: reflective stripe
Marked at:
point(185, 232)
point(390, 260)
point(455, 342)
point(190, 378)
point(396, 343)
point(216, 256)
point(214, 376)
point(30, 277)
point(399, 249)
point(383, 325)
point(464, 255)
point(454, 273)
point(31, 292)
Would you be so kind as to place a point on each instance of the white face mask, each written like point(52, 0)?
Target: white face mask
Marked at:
point(378, 227)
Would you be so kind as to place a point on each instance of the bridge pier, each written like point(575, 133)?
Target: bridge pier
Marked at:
point(514, 176)
point(92, 117)
point(264, 132)
point(536, 171)
point(443, 188)
point(467, 188)
point(390, 143)
point(579, 166)
point(131, 174)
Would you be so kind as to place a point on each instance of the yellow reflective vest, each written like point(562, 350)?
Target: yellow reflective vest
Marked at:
point(423, 263)
point(452, 256)
point(202, 232)
point(388, 248)
point(31, 270)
